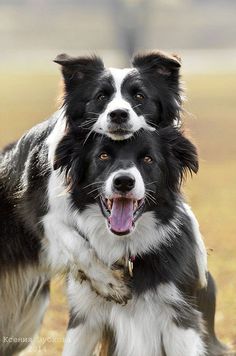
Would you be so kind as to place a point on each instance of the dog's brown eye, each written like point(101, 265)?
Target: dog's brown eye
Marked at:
point(139, 96)
point(101, 97)
point(104, 156)
point(148, 159)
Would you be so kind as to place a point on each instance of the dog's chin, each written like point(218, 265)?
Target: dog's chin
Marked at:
point(121, 213)
point(119, 135)
point(119, 132)
point(116, 135)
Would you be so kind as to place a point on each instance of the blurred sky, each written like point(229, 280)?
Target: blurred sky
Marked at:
point(32, 32)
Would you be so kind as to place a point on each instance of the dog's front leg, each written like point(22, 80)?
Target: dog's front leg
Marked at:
point(65, 250)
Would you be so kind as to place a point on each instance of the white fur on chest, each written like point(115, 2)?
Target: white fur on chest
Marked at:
point(142, 326)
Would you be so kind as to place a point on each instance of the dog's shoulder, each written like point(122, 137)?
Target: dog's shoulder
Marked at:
point(24, 174)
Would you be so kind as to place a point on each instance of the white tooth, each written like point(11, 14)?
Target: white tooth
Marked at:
point(109, 204)
point(135, 204)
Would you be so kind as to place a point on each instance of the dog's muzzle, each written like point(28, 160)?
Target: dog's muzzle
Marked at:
point(122, 209)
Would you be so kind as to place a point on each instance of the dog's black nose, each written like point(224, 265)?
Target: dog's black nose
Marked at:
point(119, 116)
point(123, 183)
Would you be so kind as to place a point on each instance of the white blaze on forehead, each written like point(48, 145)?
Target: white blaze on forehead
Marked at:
point(119, 76)
point(137, 192)
point(118, 102)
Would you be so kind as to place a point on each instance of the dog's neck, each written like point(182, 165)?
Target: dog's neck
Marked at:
point(147, 236)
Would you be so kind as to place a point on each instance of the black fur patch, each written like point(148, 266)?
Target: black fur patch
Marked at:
point(172, 262)
point(75, 320)
point(24, 174)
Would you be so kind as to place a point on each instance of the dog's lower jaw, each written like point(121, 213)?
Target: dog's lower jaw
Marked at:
point(119, 137)
point(115, 136)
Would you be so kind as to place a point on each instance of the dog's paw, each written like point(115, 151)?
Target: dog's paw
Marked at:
point(113, 287)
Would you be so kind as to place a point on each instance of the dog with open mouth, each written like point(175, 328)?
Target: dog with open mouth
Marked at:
point(122, 209)
point(43, 210)
point(128, 206)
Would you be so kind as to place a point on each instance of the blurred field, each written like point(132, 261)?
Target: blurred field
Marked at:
point(29, 97)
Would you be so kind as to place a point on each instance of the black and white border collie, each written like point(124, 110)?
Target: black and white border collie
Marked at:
point(45, 216)
point(119, 102)
point(130, 207)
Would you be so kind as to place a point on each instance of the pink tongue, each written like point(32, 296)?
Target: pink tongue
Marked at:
point(121, 217)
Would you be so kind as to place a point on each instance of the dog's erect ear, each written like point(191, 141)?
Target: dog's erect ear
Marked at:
point(75, 68)
point(158, 62)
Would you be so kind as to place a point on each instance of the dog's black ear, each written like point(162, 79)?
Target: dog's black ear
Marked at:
point(70, 156)
point(157, 62)
point(181, 155)
point(186, 153)
point(162, 72)
point(76, 68)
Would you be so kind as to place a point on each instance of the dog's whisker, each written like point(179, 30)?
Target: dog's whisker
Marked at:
point(87, 137)
point(87, 128)
point(150, 190)
point(88, 185)
point(94, 113)
point(147, 200)
point(87, 122)
point(147, 191)
point(155, 181)
point(99, 195)
point(93, 190)
point(91, 119)
point(150, 197)
point(151, 123)
point(133, 107)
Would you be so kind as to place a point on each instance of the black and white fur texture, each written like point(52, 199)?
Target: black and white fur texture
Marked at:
point(140, 176)
point(119, 103)
point(40, 226)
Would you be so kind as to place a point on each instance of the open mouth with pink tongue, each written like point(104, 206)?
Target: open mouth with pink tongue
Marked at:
point(121, 213)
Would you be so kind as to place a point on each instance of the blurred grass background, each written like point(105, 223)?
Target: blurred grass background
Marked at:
point(32, 33)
